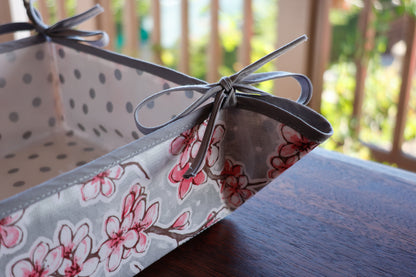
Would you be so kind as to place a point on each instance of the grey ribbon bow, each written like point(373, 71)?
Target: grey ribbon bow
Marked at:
point(62, 29)
point(225, 94)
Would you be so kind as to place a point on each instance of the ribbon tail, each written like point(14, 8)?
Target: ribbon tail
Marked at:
point(78, 19)
point(15, 27)
point(202, 151)
point(237, 77)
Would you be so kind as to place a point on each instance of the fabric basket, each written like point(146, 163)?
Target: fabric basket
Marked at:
point(86, 193)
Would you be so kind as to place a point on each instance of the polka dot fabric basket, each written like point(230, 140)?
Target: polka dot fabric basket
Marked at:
point(93, 186)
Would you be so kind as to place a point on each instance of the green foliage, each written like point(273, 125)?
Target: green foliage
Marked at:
point(407, 6)
point(337, 100)
point(382, 84)
point(344, 35)
point(380, 104)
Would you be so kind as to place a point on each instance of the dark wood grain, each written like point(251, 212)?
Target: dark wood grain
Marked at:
point(328, 215)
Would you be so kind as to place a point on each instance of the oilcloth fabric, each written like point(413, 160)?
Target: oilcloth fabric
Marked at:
point(129, 196)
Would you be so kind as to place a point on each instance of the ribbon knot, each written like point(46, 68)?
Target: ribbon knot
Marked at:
point(63, 29)
point(224, 94)
point(226, 83)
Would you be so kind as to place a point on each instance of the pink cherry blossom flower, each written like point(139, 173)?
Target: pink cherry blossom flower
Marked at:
point(121, 238)
point(143, 219)
point(43, 262)
point(182, 222)
point(69, 240)
point(188, 143)
point(10, 234)
point(80, 264)
point(185, 185)
point(296, 143)
point(213, 148)
point(183, 145)
point(280, 165)
point(101, 184)
point(234, 186)
point(231, 170)
point(136, 194)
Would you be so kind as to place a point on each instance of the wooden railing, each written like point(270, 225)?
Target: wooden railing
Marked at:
point(366, 25)
point(294, 18)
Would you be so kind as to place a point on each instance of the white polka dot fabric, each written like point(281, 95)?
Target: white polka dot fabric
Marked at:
point(61, 108)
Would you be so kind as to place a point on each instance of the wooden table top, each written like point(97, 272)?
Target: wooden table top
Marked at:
point(328, 215)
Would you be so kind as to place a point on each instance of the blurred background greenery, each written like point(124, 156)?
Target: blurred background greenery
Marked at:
point(382, 84)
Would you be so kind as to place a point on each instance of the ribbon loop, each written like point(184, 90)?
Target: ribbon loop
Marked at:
point(225, 94)
point(63, 29)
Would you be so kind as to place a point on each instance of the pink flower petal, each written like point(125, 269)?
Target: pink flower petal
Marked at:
point(10, 235)
point(81, 233)
point(39, 253)
point(195, 149)
point(130, 238)
point(177, 145)
point(151, 215)
point(139, 211)
point(291, 161)
point(112, 226)
point(65, 235)
point(211, 219)
point(82, 251)
point(235, 200)
point(128, 204)
point(228, 165)
point(184, 187)
point(200, 178)
point(12, 219)
point(115, 172)
point(22, 268)
point(182, 221)
point(237, 170)
point(201, 130)
point(242, 181)
point(288, 150)
point(115, 258)
point(89, 267)
point(176, 174)
point(246, 194)
point(136, 189)
point(142, 244)
point(276, 162)
point(273, 173)
point(226, 192)
point(127, 222)
point(218, 134)
point(290, 135)
point(54, 259)
point(231, 181)
point(107, 187)
point(212, 155)
point(91, 189)
point(184, 159)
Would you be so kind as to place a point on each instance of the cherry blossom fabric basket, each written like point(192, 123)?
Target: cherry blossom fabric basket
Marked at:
point(86, 193)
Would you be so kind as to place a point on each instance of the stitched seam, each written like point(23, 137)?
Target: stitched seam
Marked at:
point(94, 173)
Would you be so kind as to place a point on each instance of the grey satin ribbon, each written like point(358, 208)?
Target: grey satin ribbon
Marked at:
point(224, 93)
point(62, 29)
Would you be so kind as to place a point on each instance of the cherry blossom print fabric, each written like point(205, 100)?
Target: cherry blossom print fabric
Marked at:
point(116, 221)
